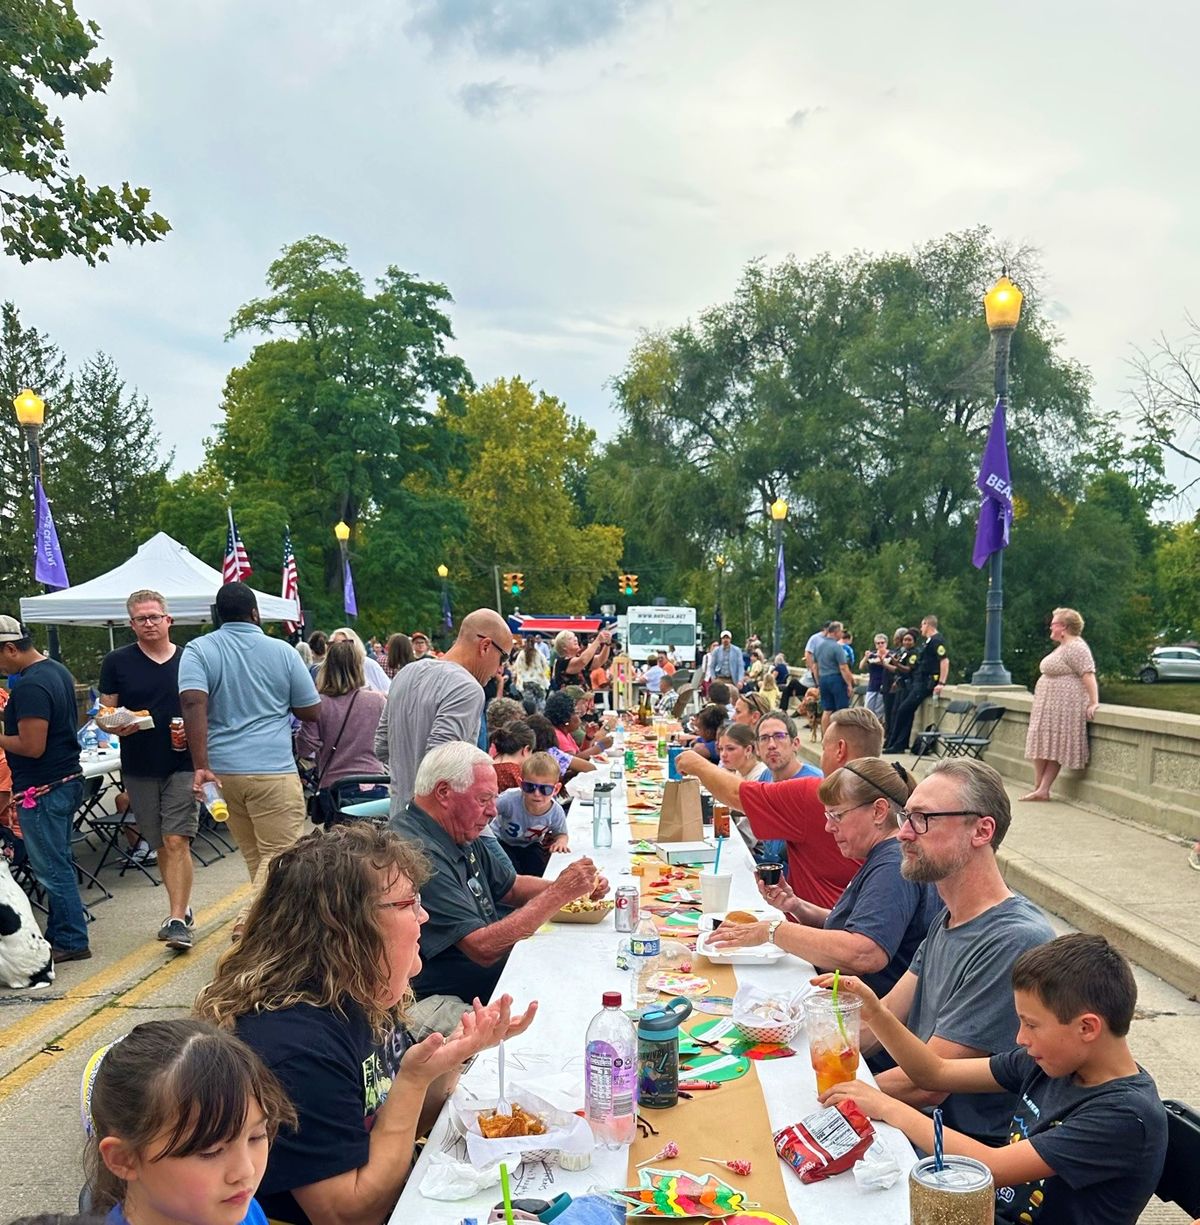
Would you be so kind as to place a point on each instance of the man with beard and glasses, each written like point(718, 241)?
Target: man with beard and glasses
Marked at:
point(956, 995)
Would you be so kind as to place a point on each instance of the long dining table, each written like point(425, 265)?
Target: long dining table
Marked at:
point(566, 968)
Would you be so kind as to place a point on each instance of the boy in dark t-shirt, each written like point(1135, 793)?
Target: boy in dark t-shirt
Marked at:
point(1089, 1134)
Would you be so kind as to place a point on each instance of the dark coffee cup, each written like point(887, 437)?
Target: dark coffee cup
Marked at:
point(769, 873)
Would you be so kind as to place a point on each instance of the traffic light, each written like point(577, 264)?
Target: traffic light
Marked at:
point(516, 582)
point(629, 584)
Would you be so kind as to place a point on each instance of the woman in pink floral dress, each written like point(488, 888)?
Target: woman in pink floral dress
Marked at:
point(1064, 701)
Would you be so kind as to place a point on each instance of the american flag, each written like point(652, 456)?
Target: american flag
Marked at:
point(291, 580)
point(236, 567)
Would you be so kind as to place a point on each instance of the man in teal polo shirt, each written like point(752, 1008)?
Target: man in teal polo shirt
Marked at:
point(237, 689)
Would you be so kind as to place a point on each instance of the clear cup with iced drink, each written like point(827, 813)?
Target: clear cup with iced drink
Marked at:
point(833, 1037)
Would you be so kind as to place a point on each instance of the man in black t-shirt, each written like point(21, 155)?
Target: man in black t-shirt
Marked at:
point(157, 777)
point(929, 678)
point(40, 724)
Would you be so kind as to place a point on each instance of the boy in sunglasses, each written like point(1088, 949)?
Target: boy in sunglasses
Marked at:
point(530, 823)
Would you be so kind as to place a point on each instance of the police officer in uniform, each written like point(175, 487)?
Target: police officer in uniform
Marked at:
point(933, 667)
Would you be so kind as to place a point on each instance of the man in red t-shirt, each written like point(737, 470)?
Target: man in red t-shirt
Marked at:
point(817, 870)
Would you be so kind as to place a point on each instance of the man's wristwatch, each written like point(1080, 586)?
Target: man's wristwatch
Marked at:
point(771, 928)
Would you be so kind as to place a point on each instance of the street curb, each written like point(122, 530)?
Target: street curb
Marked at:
point(49, 1018)
point(1149, 945)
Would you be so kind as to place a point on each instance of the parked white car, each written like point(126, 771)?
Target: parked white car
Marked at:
point(1171, 664)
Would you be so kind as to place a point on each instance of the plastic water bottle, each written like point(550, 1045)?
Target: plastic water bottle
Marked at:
point(89, 740)
point(618, 752)
point(602, 835)
point(610, 1075)
point(645, 948)
point(214, 801)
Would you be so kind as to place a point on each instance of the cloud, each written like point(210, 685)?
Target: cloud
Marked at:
point(797, 119)
point(507, 28)
point(486, 99)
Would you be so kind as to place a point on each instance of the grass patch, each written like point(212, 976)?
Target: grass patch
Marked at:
point(1183, 696)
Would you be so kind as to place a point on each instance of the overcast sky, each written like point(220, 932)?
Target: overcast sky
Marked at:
point(577, 170)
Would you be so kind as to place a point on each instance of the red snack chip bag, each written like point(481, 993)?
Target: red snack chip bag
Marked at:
point(827, 1142)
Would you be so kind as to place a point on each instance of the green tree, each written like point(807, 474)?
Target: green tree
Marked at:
point(519, 457)
point(47, 212)
point(1178, 571)
point(333, 416)
point(860, 390)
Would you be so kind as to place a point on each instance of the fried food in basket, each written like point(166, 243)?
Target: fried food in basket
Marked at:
point(585, 905)
point(508, 1126)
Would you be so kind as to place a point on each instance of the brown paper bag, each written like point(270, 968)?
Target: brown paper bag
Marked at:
point(681, 820)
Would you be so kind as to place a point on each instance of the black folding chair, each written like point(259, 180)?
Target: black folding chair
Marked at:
point(931, 740)
point(975, 741)
point(209, 832)
point(1180, 1181)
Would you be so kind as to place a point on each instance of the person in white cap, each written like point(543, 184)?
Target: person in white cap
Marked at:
point(40, 723)
point(726, 663)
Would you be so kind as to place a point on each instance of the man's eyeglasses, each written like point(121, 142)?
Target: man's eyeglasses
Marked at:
point(538, 788)
point(148, 619)
point(499, 650)
point(773, 738)
point(413, 901)
point(920, 820)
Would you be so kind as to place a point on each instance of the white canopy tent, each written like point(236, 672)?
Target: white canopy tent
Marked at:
point(161, 564)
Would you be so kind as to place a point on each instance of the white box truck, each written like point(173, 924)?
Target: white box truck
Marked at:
point(648, 629)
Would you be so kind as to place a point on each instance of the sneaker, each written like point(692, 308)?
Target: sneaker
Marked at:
point(177, 934)
point(143, 854)
point(58, 955)
point(187, 921)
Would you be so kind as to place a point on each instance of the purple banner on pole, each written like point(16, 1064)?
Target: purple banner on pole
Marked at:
point(996, 511)
point(447, 615)
point(780, 579)
point(48, 564)
point(348, 600)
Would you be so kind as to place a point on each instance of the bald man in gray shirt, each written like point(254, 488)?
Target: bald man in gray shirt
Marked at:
point(433, 701)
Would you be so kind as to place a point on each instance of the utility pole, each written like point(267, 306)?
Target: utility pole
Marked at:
point(496, 576)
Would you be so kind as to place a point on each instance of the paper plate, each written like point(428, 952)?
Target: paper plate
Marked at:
point(714, 1005)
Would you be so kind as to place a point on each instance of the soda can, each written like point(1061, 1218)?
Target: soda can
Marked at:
point(178, 735)
point(630, 760)
point(627, 908)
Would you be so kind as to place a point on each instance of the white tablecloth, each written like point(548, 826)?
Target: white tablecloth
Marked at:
point(567, 969)
point(107, 761)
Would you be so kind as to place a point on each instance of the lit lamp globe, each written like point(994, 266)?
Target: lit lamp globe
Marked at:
point(31, 408)
point(342, 531)
point(779, 509)
point(1002, 306)
point(443, 572)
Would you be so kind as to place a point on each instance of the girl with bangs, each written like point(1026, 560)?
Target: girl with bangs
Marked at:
point(318, 987)
point(180, 1118)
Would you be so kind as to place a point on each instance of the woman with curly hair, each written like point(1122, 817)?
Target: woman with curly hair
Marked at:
point(319, 987)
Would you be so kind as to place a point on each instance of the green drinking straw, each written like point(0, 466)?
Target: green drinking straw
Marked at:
point(504, 1187)
point(837, 1012)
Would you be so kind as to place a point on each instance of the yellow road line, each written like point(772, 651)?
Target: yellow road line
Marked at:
point(133, 965)
point(90, 1027)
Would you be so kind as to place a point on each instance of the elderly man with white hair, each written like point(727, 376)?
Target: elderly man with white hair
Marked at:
point(478, 906)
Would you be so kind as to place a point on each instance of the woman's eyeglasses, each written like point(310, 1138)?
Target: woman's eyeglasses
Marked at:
point(404, 904)
point(837, 817)
point(538, 788)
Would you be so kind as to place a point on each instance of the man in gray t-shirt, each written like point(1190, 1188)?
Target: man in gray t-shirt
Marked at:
point(957, 993)
point(435, 701)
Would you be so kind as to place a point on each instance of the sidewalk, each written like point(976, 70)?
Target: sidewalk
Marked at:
point(1102, 874)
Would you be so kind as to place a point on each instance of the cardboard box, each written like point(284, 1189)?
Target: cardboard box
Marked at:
point(686, 852)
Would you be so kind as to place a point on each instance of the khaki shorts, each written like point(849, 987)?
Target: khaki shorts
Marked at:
point(163, 806)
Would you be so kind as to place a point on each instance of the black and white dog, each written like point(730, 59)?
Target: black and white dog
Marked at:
point(24, 952)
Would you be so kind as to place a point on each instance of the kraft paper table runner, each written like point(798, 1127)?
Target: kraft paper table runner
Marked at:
point(728, 1122)
point(725, 1123)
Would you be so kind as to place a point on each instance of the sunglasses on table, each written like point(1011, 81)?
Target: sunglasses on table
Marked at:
point(538, 788)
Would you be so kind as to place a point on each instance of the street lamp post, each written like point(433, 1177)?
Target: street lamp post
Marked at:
point(779, 510)
point(1002, 309)
point(341, 530)
point(447, 619)
point(719, 617)
point(31, 414)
